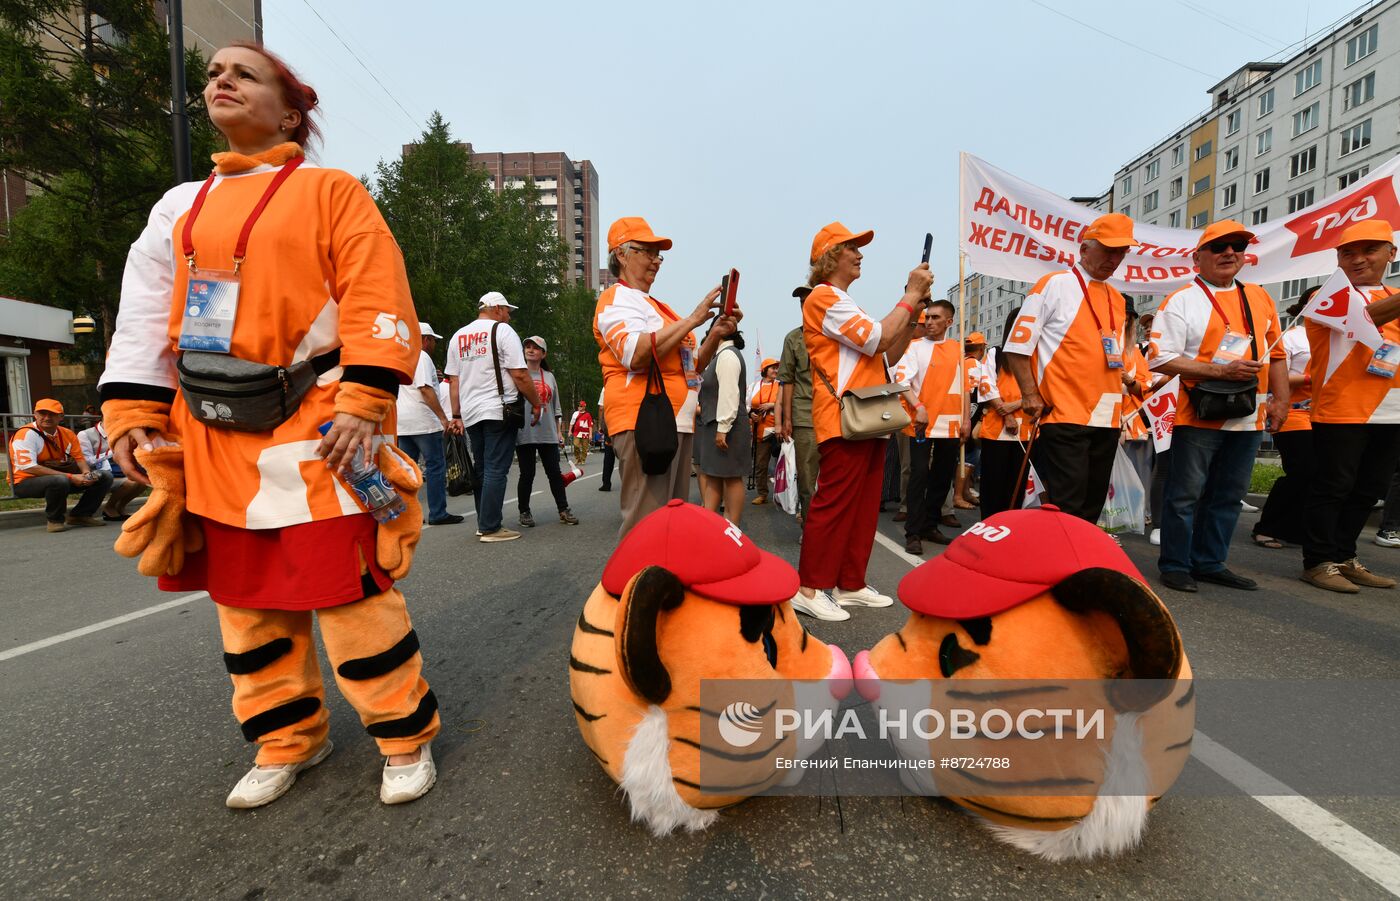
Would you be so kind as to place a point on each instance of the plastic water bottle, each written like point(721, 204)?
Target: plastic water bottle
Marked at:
point(369, 486)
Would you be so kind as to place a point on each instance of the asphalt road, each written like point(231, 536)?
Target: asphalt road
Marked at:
point(121, 746)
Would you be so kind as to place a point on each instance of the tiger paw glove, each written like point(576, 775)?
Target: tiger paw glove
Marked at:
point(367, 403)
point(161, 533)
point(121, 416)
point(399, 536)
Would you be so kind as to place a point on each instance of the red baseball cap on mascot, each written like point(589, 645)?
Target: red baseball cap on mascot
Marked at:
point(710, 556)
point(1008, 559)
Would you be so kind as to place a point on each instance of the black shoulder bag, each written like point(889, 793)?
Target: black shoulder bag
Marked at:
point(1215, 400)
point(513, 413)
point(655, 433)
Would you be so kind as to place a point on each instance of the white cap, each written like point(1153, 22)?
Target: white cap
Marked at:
point(427, 330)
point(537, 340)
point(496, 299)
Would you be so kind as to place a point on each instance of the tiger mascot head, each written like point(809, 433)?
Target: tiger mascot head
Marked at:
point(687, 596)
point(1049, 601)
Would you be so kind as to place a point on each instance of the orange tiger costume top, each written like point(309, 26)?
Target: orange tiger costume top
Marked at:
point(1076, 610)
point(685, 597)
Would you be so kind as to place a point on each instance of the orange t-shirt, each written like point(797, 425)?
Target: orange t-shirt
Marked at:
point(765, 393)
point(623, 318)
point(1342, 390)
point(1189, 325)
point(993, 385)
point(841, 343)
point(1059, 329)
point(322, 271)
point(29, 446)
point(930, 369)
point(1134, 428)
point(1296, 346)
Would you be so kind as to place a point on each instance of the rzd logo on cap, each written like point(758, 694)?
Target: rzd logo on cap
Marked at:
point(990, 533)
point(740, 723)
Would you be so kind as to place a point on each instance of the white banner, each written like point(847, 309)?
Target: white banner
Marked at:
point(1161, 413)
point(1010, 228)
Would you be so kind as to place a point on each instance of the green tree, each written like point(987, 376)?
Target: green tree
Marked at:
point(85, 117)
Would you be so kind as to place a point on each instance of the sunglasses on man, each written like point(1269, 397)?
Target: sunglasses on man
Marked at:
point(1238, 245)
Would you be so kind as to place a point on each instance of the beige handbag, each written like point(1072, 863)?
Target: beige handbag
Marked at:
point(870, 412)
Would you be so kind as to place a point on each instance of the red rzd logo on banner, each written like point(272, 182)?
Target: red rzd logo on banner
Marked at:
point(1318, 229)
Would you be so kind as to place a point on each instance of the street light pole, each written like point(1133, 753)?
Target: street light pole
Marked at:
point(179, 121)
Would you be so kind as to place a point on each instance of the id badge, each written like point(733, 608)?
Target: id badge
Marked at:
point(1232, 347)
point(1385, 360)
point(1111, 351)
point(692, 378)
point(211, 303)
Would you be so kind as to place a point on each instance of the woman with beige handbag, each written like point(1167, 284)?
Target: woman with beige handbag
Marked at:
point(855, 407)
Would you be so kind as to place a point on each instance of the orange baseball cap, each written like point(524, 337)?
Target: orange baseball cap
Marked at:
point(1110, 230)
point(766, 363)
point(49, 405)
point(1368, 230)
point(1223, 229)
point(836, 233)
point(634, 228)
point(976, 338)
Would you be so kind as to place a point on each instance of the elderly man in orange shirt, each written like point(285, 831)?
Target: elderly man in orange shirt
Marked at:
point(47, 461)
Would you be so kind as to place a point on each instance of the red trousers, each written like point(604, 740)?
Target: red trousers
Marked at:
point(839, 530)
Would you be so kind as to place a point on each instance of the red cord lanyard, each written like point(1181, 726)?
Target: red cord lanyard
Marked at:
point(1084, 286)
point(240, 250)
point(1112, 352)
point(1210, 295)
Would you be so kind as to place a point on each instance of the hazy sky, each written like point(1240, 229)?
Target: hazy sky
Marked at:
point(740, 129)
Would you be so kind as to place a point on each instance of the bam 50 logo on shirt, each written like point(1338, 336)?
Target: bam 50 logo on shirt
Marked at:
point(1318, 230)
point(388, 326)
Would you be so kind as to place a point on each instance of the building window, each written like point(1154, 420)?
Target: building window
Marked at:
point(1261, 181)
point(1305, 120)
point(1232, 158)
point(1394, 270)
point(1302, 162)
point(1200, 185)
point(1356, 137)
point(1127, 209)
point(1266, 103)
point(1307, 78)
point(1350, 178)
point(1228, 196)
point(1362, 46)
point(1200, 219)
point(1149, 202)
point(1126, 185)
point(1264, 142)
point(1154, 169)
point(1300, 200)
point(1174, 219)
point(1178, 154)
point(1174, 190)
point(1259, 216)
point(1202, 152)
point(1359, 92)
point(1232, 123)
point(1295, 287)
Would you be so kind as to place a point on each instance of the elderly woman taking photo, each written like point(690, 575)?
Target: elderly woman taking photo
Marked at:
point(265, 325)
point(633, 329)
point(848, 349)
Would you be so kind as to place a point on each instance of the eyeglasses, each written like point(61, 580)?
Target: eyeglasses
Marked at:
point(648, 251)
point(1238, 245)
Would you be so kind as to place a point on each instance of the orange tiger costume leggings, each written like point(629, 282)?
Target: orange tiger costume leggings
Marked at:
point(278, 696)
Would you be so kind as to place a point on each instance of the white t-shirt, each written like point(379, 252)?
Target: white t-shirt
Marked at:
point(469, 358)
point(415, 416)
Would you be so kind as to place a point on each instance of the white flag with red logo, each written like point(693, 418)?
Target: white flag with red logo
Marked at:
point(1339, 306)
point(1161, 414)
point(1035, 490)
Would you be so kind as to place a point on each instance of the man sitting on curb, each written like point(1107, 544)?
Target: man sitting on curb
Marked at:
point(46, 461)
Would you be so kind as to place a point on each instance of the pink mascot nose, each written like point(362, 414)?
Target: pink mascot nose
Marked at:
point(839, 679)
point(867, 680)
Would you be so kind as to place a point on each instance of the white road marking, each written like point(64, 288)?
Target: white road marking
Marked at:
point(1358, 850)
point(98, 627)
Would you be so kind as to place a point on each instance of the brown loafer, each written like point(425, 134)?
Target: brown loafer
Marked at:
point(914, 546)
point(936, 536)
point(901, 516)
point(951, 522)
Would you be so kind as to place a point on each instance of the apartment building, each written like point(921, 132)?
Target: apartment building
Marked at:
point(568, 194)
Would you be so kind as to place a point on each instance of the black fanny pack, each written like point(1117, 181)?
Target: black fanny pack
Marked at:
point(1218, 399)
point(230, 393)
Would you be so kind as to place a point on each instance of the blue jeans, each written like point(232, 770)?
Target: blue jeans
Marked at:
point(429, 449)
point(1209, 476)
point(493, 445)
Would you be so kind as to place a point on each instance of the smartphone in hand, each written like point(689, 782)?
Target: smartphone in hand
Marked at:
point(928, 245)
point(729, 291)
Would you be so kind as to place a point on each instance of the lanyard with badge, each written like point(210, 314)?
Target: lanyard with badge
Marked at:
point(687, 352)
point(1385, 360)
point(211, 298)
point(1234, 345)
point(1112, 350)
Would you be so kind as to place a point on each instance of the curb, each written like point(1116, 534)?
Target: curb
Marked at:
point(21, 519)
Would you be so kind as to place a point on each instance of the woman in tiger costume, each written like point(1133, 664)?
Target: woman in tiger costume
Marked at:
point(687, 596)
point(1074, 629)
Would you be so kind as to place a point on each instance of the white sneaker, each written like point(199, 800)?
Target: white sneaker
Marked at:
point(500, 535)
point(1387, 538)
point(1155, 539)
point(265, 784)
point(409, 782)
point(1247, 507)
point(861, 597)
point(819, 605)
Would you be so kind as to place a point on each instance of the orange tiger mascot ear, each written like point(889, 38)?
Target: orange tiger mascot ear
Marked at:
point(687, 596)
point(1049, 601)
